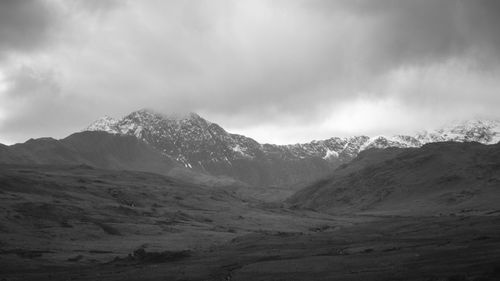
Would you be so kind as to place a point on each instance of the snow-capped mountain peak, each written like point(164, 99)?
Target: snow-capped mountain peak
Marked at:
point(478, 130)
point(105, 123)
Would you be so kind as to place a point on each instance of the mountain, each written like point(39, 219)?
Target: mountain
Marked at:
point(202, 145)
point(438, 177)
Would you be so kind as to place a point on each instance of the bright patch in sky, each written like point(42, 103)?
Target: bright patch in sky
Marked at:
point(3, 83)
point(358, 117)
point(3, 90)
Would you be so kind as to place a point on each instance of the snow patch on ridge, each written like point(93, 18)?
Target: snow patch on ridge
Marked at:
point(240, 150)
point(331, 153)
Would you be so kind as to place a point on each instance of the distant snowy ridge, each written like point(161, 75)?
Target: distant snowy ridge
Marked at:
point(482, 131)
point(178, 127)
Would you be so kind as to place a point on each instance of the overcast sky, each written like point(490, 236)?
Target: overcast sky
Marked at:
point(278, 71)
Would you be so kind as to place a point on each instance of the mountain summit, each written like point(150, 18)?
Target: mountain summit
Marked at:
point(188, 138)
point(106, 124)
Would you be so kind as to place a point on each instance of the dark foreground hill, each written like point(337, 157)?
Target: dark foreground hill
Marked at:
point(98, 149)
point(114, 152)
point(438, 178)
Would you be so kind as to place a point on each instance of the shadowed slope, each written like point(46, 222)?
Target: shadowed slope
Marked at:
point(98, 149)
point(439, 177)
point(120, 152)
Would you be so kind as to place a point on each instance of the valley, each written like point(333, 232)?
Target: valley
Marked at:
point(62, 215)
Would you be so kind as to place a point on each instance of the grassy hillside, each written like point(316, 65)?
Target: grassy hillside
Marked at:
point(437, 178)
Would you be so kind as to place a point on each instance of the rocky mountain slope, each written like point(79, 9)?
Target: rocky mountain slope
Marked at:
point(438, 177)
point(199, 144)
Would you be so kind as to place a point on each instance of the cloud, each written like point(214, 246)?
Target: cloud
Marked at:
point(27, 82)
point(252, 65)
point(227, 57)
point(423, 32)
point(98, 6)
point(36, 106)
point(24, 25)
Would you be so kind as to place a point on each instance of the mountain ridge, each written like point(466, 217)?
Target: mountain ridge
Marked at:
point(200, 144)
